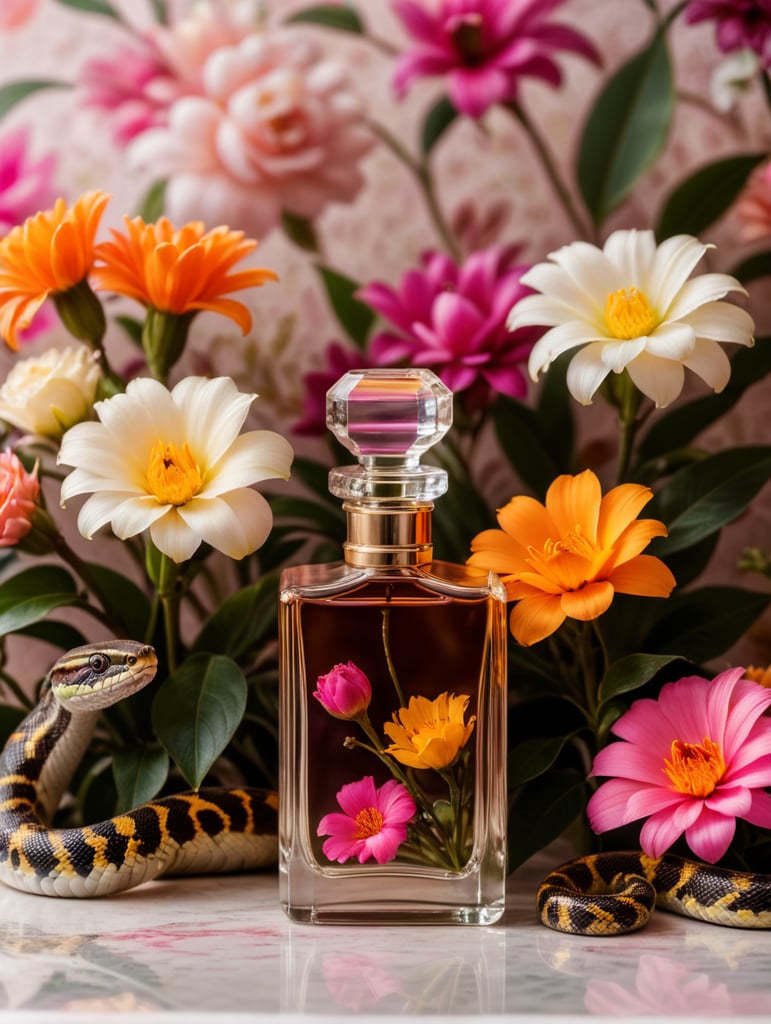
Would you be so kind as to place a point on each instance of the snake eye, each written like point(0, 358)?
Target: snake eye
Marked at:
point(99, 663)
point(131, 659)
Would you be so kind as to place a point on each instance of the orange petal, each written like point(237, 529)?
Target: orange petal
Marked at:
point(535, 618)
point(496, 550)
point(618, 508)
point(634, 539)
point(575, 500)
point(526, 521)
point(645, 576)
point(589, 602)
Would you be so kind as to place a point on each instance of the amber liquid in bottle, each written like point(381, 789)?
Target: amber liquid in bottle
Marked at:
point(428, 636)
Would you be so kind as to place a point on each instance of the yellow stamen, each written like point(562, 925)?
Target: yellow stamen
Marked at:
point(695, 768)
point(369, 822)
point(173, 476)
point(629, 314)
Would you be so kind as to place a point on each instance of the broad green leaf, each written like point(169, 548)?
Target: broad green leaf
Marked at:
point(153, 202)
point(15, 92)
point(687, 565)
point(757, 265)
point(197, 710)
point(326, 520)
point(703, 497)
point(544, 809)
point(31, 595)
point(92, 7)
point(131, 326)
point(126, 602)
point(632, 672)
point(706, 195)
point(354, 316)
point(678, 427)
point(626, 129)
point(438, 120)
point(300, 230)
point(95, 797)
point(243, 621)
point(139, 774)
point(702, 624)
point(554, 412)
point(345, 19)
point(60, 635)
point(524, 444)
point(532, 758)
point(315, 476)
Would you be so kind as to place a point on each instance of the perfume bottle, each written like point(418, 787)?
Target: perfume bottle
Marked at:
point(392, 689)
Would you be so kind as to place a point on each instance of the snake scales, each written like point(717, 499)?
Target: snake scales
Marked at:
point(213, 830)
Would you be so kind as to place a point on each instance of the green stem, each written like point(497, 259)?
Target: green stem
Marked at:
point(386, 613)
point(628, 407)
point(76, 563)
point(169, 595)
point(551, 171)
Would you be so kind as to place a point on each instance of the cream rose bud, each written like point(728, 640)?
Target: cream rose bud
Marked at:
point(48, 393)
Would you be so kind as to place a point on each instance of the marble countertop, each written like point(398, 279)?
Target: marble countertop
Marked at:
point(220, 950)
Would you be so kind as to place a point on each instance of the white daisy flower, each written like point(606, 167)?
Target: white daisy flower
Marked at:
point(175, 463)
point(631, 306)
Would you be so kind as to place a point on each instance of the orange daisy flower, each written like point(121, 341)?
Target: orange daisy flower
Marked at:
point(567, 558)
point(50, 254)
point(180, 271)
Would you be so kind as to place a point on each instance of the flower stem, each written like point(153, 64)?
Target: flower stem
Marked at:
point(386, 613)
point(169, 594)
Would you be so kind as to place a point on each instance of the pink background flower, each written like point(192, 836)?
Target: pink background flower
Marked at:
point(373, 823)
point(19, 492)
point(737, 24)
point(692, 762)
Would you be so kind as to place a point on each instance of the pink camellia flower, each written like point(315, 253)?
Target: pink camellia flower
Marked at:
point(345, 692)
point(453, 319)
point(373, 823)
point(484, 47)
point(19, 491)
point(739, 24)
point(692, 761)
point(276, 129)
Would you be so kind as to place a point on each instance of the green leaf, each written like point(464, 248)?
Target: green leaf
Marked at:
point(132, 327)
point(315, 476)
point(125, 600)
point(31, 595)
point(706, 195)
point(757, 265)
point(139, 774)
point(243, 621)
point(632, 672)
point(95, 797)
point(702, 624)
point(15, 92)
point(544, 809)
point(554, 412)
point(153, 202)
point(438, 120)
point(703, 497)
point(92, 7)
point(524, 444)
point(326, 520)
point(300, 230)
point(355, 317)
point(532, 758)
point(678, 428)
point(60, 635)
point(197, 710)
point(345, 19)
point(626, 129)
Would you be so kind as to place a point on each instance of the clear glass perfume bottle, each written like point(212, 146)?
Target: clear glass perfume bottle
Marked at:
point(393, 689)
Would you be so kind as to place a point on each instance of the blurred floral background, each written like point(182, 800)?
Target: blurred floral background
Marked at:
point(389, 156)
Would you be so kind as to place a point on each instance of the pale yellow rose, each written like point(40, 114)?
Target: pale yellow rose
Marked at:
point(48, 393)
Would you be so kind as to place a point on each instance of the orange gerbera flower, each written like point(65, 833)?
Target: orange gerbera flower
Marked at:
point(180, 271)
point(50, 254)
point(567, 558)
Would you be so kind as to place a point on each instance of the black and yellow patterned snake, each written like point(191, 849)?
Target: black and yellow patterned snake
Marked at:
point(214, 830)
point(615, 893)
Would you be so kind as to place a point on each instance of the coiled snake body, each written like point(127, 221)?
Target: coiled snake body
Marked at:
point(189, 833)
point(615, 893)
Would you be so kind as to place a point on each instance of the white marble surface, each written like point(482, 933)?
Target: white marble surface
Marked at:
point(220, 950)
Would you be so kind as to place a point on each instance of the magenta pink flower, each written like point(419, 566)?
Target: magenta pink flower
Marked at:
point(19, 491)
point(485, 47)
point(453, 320)
point(345, 692)
point(739, 24)
point(26, 185)
point(373, 823)
point(692, 761)
point(339, 360)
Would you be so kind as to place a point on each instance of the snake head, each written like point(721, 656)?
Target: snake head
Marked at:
point(96, 675)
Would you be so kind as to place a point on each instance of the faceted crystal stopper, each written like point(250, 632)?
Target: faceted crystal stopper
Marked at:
point(388, 418)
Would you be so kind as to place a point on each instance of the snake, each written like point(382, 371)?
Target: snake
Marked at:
point(615, 893)
point(209, 831)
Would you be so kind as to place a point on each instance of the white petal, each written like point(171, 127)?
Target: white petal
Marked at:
point(710, 362)
point(722, 321)
point(586, 372)
point(590, 269)
point(660, 379)
point(173, 536)
point(97, 512)
point(539, 310)
point(253, 456)
point(133, 515)
point(213, 412)
point(559, 288)
point(558, 340)
point(236, 523)
point(138, 419)
point(671, 341)
point(675, 259)
point(616, 354)
point(697, 292)
point(633, 252)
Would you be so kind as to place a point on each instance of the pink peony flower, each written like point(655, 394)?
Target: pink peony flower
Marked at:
point(19, 492)
point(484, 47)
point(453, 320)
point(316, 383)
point(692, 762)
point(373, 824)
point(345, 692)
point(276, 129)
point(739, 24)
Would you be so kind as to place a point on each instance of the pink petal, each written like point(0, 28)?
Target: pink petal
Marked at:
point(473, 91)
point(734, 801)
point(607, 806)
point(760, 811)
point(710, 836)
point(630, 761)
point(355, 796)
point(658, 833)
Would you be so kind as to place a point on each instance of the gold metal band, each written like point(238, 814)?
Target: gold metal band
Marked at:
point(388, 534)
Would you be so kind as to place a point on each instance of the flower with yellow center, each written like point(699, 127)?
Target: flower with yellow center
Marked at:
point(175, 463)
point(632, 306)
point(691, 762)
point(51, 254)
point(567, 558)
point(429, 733)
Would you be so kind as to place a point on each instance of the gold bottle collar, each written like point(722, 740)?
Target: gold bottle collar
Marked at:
point(383, 534)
